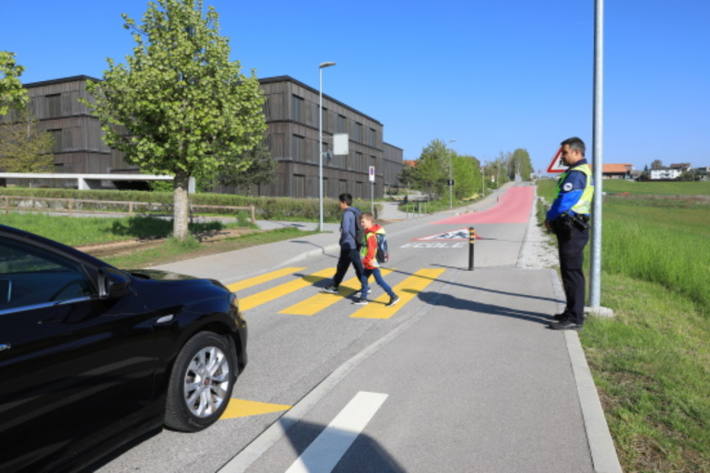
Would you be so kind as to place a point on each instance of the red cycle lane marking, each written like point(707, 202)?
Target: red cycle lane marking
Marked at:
point(513, 207)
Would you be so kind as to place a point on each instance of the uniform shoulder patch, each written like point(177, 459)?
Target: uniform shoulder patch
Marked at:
point(568, 186)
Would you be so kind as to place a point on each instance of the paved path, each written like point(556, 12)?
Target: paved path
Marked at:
point(463, 375)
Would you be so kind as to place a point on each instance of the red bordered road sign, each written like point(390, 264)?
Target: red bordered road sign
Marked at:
point(556, 165)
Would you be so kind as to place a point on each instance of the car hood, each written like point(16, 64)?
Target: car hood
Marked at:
point(157, 275)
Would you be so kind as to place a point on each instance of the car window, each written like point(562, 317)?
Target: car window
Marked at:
point(30, 275)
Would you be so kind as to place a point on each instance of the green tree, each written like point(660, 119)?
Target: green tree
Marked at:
point(12, 94)
point(519, 164)
point(260, 169)
point(179, 105)
point(407, 176)
point(432, 170)
point(467, 176)
point(23, 147)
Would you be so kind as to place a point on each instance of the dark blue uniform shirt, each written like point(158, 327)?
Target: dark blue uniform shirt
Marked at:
point(570, 192)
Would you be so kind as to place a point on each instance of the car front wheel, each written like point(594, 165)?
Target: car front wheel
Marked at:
point(201, 382)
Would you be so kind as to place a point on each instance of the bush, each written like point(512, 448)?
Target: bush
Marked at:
point(267, 208)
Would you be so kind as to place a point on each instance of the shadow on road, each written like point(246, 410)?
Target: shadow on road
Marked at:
point(365, 455)
point(453, 302)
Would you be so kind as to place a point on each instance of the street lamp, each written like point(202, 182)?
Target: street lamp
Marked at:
point(321, 66)
point(451, 179)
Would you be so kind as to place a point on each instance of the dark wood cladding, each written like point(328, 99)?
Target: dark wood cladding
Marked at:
point(291, 111)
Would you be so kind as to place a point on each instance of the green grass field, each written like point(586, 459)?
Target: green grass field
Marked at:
point(78, 231)
point(664, 188)
point(651, 363)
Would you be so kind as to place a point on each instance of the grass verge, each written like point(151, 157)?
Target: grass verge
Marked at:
point(173, 250)
point(651, 362)
point(78, 231)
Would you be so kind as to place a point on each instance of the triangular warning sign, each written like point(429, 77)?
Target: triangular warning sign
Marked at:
point(556, 165)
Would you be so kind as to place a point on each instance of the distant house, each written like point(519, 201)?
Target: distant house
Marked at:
point(683, 167)
point(617, 171)
point(665, 174)
point(410, 162)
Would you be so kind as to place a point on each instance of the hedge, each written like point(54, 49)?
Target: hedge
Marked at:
point(267, 208)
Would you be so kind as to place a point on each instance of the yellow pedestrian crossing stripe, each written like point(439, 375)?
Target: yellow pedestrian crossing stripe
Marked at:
point(255, 281)
point(316, 303)
point(244, 408)
point(281, 290)
point(406, 290)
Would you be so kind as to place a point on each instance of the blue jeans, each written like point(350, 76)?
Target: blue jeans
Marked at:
point(378, 278)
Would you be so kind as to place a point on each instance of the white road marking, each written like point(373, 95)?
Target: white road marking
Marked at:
point(328, 448)
point(436, 245)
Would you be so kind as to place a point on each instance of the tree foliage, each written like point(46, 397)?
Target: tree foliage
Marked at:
point(467, 176)
point(12, 94)
point(431, 171)
point(260, 168)
point(23, 147)
point(519, 164)
point(179, 105)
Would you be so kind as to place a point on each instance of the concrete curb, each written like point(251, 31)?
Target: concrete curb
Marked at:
point(323, 250)
point(601, 445)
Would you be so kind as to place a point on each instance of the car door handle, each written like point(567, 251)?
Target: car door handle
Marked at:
point(5, 346)
point(165, 319)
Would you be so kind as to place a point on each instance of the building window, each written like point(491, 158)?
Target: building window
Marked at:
point(296, 108)
point(56, 140)
point(373, 137)
point(299, 186)
point(54, 105)
point(297, 147)
point(325, 119)
point(342, 124)
point(357, 132)
point(359, 161)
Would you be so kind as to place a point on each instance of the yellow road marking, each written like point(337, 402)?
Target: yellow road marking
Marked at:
point(243, 408)
point(246, 283)
point(316, 303)
point(281, 290)
point(406, 290)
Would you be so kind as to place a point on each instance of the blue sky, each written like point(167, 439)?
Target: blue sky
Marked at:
point(492, 75)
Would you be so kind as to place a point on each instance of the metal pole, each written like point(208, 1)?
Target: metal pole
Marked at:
point(372, 198)
point(320, 151)
point(451, 184)
point(597, 134)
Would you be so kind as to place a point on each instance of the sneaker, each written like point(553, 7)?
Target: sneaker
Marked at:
point(358, 294)
point(331, 290)
point(393, 301)
point(361, 301)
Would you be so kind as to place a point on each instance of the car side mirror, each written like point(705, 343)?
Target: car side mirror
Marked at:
point(113, 283)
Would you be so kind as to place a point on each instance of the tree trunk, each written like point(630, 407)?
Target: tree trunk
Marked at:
point(180, 206)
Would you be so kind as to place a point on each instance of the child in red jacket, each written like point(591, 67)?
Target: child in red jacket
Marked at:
point(369, 260)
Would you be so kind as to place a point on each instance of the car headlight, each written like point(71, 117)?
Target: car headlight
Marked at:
point(233, 301)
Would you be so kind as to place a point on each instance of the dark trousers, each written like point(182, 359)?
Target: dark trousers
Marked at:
point(571, 244)
point(346, 257)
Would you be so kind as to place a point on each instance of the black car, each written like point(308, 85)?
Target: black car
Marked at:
point(92, 357)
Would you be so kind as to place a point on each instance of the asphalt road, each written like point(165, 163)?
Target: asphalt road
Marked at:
point(472, 381)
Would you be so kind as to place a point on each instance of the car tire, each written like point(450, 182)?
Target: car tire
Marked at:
point(201, 382)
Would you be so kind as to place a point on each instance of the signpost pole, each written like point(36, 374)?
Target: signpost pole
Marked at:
point(371, 176)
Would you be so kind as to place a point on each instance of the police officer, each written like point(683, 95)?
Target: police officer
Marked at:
point(568, 218)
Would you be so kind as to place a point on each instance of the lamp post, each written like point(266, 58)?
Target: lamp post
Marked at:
point(321, 66)
point(451, 179)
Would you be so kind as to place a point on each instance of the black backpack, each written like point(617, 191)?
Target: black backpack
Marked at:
point(383, 253)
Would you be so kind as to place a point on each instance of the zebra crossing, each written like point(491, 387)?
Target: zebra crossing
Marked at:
point(292, 279)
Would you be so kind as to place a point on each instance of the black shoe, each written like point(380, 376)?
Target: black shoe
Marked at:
point(331, 289)
point(393, 301)
point(361, 301)
point(565, 325)
point(561, 316)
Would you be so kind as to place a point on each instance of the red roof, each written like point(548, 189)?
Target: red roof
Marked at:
point(410, 162)
point(616, 168)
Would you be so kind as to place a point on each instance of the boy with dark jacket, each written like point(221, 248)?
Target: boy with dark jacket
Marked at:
point(369, 260)
point(349, 246)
